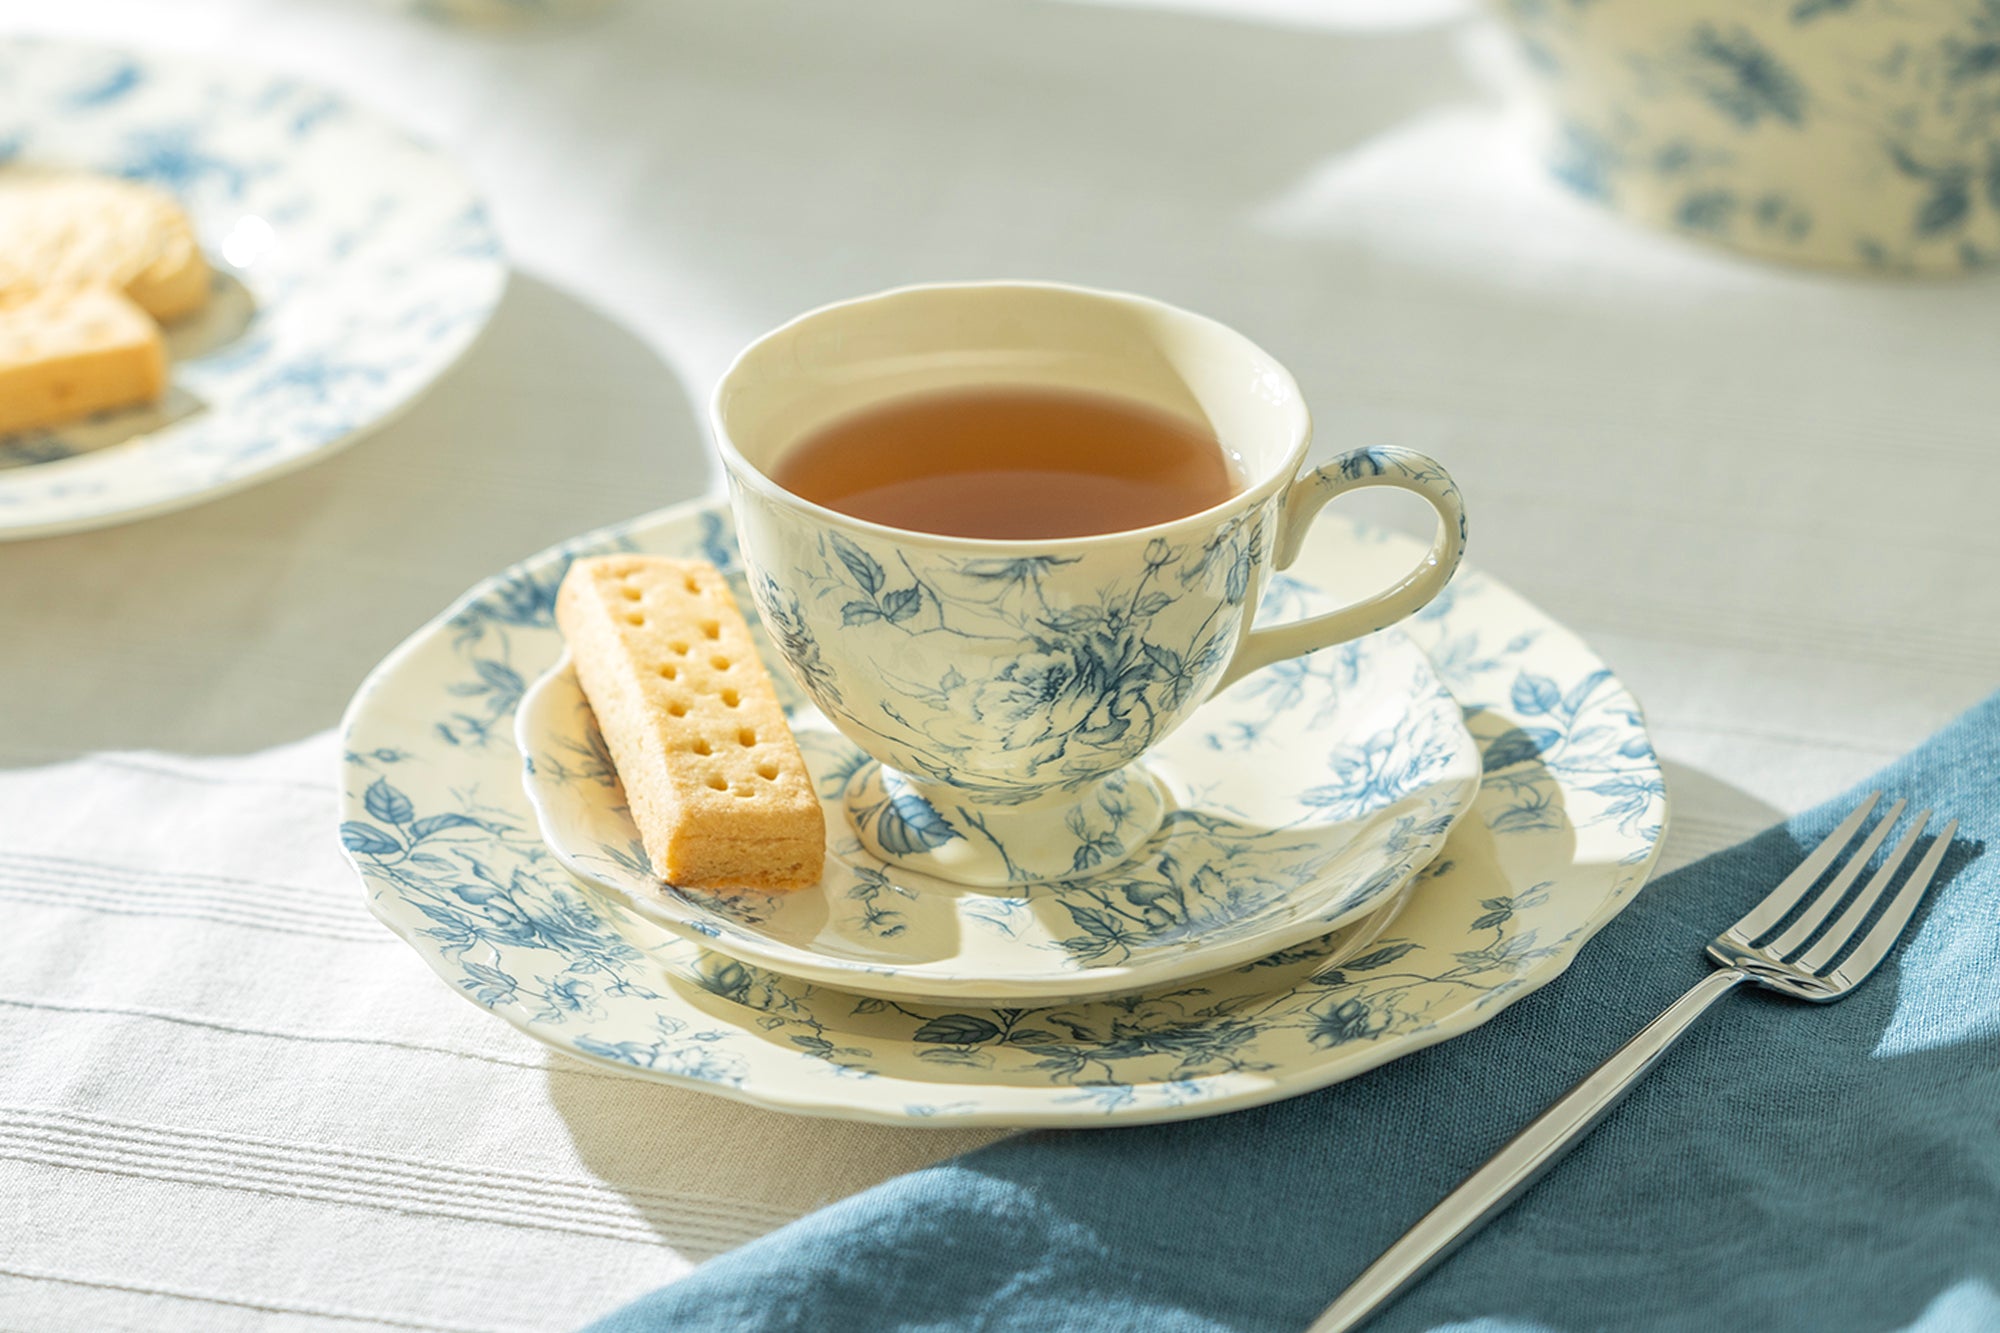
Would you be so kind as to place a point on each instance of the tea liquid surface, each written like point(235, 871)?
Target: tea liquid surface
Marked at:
point(1011, 463)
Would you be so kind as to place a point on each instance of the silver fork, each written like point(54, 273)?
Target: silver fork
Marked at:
point(1798, 961)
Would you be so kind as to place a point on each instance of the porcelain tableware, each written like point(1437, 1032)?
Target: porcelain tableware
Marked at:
point(1008, 689)
point(1566, 824)
point(353, 267)
point(1303, 798)
point(1859, 134)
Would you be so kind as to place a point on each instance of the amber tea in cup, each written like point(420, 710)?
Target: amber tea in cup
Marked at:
point(1011, 463)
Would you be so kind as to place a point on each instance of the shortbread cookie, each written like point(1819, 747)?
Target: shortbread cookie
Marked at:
point(713, 777)
point(67, 354)
point(61, 229)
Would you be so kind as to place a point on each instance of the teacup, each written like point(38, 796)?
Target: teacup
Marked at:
point(1007, 690)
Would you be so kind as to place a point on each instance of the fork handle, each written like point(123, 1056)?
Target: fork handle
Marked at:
point(1521, 1163)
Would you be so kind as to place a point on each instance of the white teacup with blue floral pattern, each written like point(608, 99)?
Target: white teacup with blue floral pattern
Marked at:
point(1008, 689)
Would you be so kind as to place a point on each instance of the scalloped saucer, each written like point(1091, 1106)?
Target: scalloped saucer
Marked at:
point(1302, 799)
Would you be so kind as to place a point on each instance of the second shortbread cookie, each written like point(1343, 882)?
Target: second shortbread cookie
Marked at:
point(65, 355)
point(65, 229)
point(713, 777)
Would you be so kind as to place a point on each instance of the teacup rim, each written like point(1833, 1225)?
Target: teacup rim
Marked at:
point(742, 471)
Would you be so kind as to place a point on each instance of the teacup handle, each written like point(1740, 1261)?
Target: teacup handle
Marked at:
point(1406, 470)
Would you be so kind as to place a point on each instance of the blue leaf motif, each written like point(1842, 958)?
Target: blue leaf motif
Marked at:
point(500, 676)
point(1237, 586)
point(859, 613)
point(908, 825)
point(859, 563)
point(1707, 210)
point(1975, 61)
point(430, 824)
point(1091, 850)
point(1584, 162)
point(718, 543)
point(1351, 1021)
point(387, 804)
point(1096, 923)
point(1535, 694)
point(1375, 958)
point(108, 89)
point(956, 1030)
point(491, 985)
point(1582, 690)
point(1518, 745)
point(900, 605)
point(1743, 80)
point(364, 840)
point(1948, 205)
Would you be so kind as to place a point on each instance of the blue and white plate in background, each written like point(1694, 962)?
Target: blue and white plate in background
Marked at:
point(353, 266)
point(1566, 824)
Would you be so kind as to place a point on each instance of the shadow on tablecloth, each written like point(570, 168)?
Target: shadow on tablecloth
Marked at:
point(249, 621)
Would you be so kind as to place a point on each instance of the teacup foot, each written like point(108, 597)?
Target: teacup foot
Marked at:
point(1061, 835)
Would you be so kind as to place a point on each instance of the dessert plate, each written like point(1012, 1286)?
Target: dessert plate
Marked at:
point(1564, 829)
point(353, 266)
point(1301, 799)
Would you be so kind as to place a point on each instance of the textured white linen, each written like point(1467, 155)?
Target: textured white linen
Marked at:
point(228, 1097)
point(229, 1100)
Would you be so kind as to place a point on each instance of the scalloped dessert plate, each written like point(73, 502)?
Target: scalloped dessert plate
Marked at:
point(1564, 828)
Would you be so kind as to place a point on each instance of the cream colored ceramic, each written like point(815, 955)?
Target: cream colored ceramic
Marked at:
point(1852, 133)
point(1007, 689)
point(1566, 823)
point(1305, 796)
point(353, 266)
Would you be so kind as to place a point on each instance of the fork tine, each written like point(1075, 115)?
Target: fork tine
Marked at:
point(1821, 907)
point(1782, 899)
point(1868, 955)
point(1842, 931)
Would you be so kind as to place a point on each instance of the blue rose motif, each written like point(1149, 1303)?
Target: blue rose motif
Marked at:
point(572, 996)
point(1034, 704)
point(1372, 772)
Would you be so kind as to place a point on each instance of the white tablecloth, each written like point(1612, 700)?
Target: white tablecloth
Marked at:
point(229, 1100)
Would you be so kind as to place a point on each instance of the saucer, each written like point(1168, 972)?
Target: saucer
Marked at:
point(1565, 827)
point(353, 267)
point(1300, 799)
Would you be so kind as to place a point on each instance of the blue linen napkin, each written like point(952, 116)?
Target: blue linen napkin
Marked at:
point(1787, 1167)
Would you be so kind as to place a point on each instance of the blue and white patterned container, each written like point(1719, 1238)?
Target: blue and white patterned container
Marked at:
point(1848, 133)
